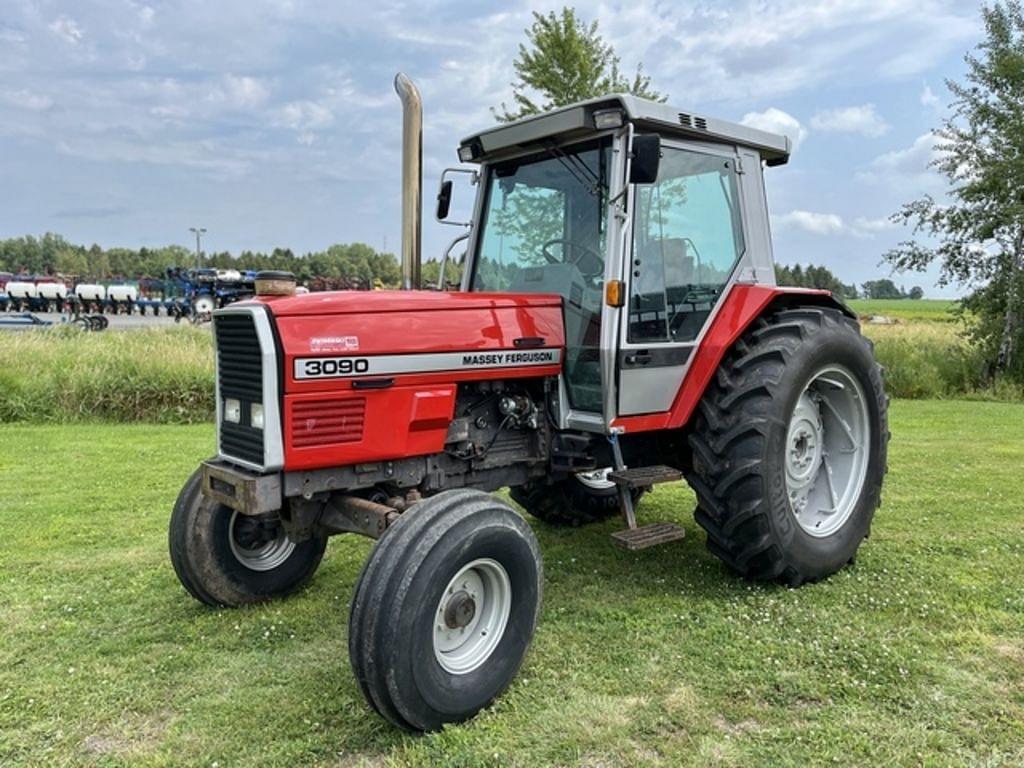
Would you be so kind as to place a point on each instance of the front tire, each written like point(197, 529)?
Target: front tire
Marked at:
point(224, 558)
point(445, 609)
point(789, 447)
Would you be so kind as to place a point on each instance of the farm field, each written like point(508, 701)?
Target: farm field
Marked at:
point(932, 310)
point(914, 656)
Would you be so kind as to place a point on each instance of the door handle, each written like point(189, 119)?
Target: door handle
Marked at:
point(638, 358)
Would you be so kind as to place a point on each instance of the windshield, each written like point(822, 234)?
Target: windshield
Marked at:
point(543, 231)
point(544, 209)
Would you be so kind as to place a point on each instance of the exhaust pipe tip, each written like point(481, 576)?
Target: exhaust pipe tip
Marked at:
point(412, 178)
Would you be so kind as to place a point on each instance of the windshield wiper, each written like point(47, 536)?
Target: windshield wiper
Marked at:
point(577, 169)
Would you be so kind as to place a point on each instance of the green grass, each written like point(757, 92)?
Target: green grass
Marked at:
point(935, 310)
point(914, 656)
point(162, 375)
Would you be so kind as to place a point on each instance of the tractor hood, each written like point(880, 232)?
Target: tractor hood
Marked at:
point(370, 302)
point(370, 376)
point(417, 334)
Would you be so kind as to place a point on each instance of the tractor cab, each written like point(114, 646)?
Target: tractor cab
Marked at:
point(640, 217)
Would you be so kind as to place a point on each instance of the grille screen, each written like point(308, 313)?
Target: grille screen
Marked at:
point(328, 422)
point(240, 377)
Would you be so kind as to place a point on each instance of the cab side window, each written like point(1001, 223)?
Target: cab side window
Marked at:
point(687, 238)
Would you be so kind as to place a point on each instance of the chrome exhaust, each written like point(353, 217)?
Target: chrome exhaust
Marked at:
point(412, 179)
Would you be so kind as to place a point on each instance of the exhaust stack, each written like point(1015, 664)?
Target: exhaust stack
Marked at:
point(412, 179)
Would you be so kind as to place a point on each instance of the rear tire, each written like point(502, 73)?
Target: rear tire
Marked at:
point(786, 402)
point(576, 500)
point(459, 556)
point(223, 558)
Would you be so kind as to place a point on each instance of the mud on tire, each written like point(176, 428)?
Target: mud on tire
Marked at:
point(742, 430)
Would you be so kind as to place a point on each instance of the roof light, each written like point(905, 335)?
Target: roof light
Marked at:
point(471, 150)
point(608, 118)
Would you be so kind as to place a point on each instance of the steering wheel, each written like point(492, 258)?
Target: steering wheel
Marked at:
point(587, 260)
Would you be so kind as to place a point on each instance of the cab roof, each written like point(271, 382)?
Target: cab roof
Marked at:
point(577, 121)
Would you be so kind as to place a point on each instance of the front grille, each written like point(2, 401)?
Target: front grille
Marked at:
point(328, 422)
point(240, 376)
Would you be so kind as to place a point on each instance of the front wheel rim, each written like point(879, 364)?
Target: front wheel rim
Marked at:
point(827, 451)
point(471, 616)
point(256, 547)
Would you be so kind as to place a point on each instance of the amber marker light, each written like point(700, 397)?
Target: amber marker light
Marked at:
point(614, 293)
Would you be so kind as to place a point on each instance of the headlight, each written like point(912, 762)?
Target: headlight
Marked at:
point(256, 415)
point(232, 410)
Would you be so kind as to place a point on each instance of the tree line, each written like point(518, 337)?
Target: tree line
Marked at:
point(355, 264)
point(811, 276)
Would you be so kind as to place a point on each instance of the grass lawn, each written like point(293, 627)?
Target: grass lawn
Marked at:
point(914, 656)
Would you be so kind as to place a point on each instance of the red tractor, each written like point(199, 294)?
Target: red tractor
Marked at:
point(618, 325)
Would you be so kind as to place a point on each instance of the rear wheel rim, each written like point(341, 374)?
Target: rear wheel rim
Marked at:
point(596, 480)
point(827, 451)
point(471, 616)
point(257, 544)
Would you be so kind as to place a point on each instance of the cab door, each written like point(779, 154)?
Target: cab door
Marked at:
point(687, 243)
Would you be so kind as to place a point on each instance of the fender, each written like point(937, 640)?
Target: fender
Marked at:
point(741, 307)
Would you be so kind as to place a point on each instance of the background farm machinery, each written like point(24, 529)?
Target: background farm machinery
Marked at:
point(180, 293)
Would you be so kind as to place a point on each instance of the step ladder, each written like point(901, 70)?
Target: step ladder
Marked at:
point(636, 537)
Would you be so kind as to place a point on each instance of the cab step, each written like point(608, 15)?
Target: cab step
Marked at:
point(641, 477)
point(649, 535)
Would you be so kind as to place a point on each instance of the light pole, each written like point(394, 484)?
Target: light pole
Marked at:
point(199, 232)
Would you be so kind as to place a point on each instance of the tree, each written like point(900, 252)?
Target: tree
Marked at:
point(814, 277)
point(883, 288)
point(567, 61)
point(980, 228)
point(916, 293)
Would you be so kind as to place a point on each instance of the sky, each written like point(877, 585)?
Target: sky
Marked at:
point(275, 123)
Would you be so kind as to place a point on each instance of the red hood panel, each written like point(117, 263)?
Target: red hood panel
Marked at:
point(357, 325)
point(368, 302)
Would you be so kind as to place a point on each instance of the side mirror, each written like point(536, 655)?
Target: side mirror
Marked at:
point(444, 200)
point(646, 159)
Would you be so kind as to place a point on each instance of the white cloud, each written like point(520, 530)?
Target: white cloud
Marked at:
point(67, 28)
point(146, 16)
point(305, 118)
point(240, 92)
point(815, 223)
point(831, 224)
point(26, 99)
point(726, 52)
point(907, 170)
point(870, 227)
point(863, 119)
point(11, 35)
point(777, 121)
point(928, 97)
